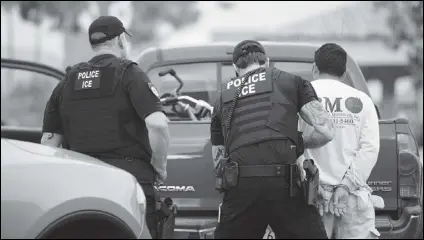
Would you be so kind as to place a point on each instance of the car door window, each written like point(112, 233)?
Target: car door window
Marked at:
point(24, 95)
point(200, 82)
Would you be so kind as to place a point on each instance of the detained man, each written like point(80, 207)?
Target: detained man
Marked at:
point(346, 162)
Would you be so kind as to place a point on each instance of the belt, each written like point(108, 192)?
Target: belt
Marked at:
point(279, 170)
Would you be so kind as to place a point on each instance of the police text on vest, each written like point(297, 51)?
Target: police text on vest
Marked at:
point(88, 80)
point(250, 81)
point(88, 74)
point(248, 89)
point(87, 84)
point(257, 83)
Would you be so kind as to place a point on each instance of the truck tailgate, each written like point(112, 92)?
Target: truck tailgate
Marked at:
point(384, 177)
point(191, 179)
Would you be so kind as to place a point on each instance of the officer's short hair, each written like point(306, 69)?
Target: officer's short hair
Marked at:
point(247, 53)
point(108, 43)
point(331, 59)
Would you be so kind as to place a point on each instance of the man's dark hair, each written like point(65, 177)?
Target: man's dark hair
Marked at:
point(251, 58)
point(331, 59)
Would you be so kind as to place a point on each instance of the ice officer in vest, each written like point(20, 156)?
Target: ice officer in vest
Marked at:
point(254, 143)
point(107, 108)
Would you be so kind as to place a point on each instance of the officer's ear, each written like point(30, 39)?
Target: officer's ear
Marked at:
point(315, 71)
point(236, 69)
point(267, 62)
point(122, 41)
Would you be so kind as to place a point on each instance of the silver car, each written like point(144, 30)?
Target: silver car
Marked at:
point(49, 192)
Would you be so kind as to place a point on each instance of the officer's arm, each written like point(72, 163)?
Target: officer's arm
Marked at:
point(217, 138)
point(157, 126)
point(145, 100)
point(314, 114)
point(52, 139)
point(52, 124)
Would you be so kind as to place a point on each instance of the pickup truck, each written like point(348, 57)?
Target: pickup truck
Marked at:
point(397, 176)
point(199, 71)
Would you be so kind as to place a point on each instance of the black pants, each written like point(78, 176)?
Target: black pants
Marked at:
point(257, 202)
point(151, 215)
point(149, 191)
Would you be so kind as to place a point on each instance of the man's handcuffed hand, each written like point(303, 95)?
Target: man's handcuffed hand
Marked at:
point(323, 200)
point(339, 202)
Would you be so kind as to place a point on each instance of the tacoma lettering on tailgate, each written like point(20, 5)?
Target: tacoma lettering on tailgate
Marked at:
point(176, 189)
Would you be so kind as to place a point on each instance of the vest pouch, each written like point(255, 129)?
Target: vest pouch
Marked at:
point(106, 136)
point(219, 172)
point(283, 122)
point(231, 175)
point(227, 173)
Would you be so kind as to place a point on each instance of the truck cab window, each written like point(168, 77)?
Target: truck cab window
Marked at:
point(199, 79)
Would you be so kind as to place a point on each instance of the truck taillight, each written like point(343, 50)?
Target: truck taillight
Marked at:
point(409, 167)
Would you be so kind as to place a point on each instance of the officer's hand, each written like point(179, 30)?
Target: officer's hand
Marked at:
point(299, 163)
point(161, 177)
point(339, 202)
point(158, 182)
point(323, 201)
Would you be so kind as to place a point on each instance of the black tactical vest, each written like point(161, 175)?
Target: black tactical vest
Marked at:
point(262, 111)
point(96, 114)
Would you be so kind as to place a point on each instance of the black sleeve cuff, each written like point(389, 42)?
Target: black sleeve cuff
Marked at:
point(217, 139)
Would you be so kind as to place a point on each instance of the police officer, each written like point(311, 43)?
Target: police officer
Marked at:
point(108, 108)
point(258, 130)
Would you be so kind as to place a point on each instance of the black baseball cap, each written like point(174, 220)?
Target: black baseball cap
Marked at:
point(245, 47)
point(105, 28)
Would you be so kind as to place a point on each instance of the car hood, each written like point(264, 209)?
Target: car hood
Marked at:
point(45, 153)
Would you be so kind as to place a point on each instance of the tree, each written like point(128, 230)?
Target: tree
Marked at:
point(405, 19)
point(152, 13)
point(149, 14)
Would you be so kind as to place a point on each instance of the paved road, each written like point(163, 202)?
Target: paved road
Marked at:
point(421, 154)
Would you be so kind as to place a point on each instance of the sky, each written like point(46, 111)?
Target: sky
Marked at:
point(252, 15)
